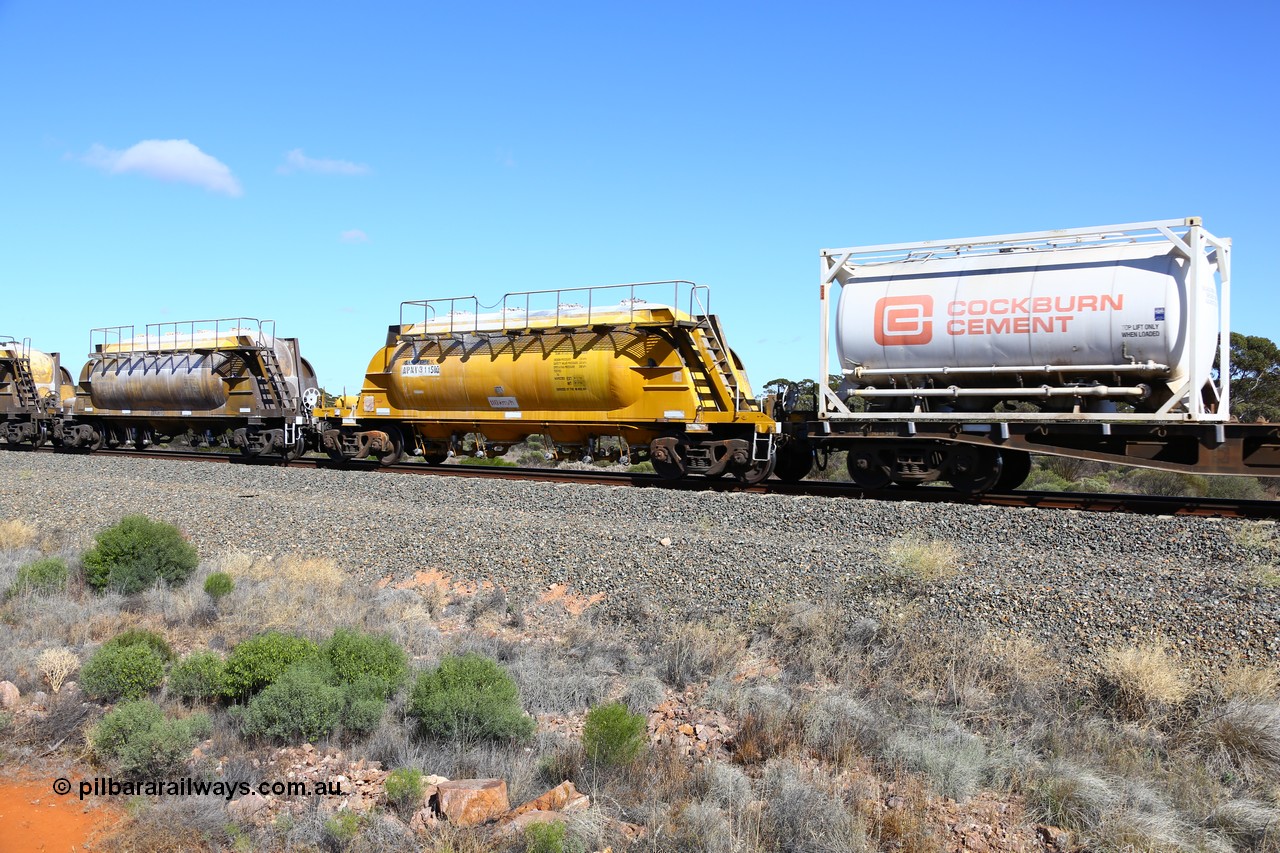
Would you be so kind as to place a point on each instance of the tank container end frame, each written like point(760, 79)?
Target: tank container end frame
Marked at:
point(1187, 236)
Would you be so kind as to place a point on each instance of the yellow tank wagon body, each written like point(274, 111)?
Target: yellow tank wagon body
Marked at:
point(600, 372)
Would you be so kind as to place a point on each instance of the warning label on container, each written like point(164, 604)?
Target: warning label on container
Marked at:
point(1142, 330)
point(419, 369)
point(568, 374)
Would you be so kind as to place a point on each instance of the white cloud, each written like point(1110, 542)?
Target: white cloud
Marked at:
point(355, 235)
point(167, 160)
point(296, 161)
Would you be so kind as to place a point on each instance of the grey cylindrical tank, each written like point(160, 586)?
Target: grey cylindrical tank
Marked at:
point(171, 381)
point(1123, 307)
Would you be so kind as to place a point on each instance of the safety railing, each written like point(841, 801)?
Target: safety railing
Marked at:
point(183, 336)
point(20, 348)
point(560, 307)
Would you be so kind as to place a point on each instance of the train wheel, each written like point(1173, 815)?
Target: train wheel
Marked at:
point(395, 452)
point(667, 455)
point(975, 470)
point(794, 461)
point(251, 447)
point(297, 451)
point(756, 473)
point(869, 470)
point(97, 437)
point(1017, 467)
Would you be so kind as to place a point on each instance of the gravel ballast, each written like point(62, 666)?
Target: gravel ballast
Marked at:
point(1076, 581)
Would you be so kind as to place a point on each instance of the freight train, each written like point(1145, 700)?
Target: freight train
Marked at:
point(957, 360)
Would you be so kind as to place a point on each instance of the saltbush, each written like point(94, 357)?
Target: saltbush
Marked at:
point(612, 735)
point(135, 553)
point(218, 584)
point(43, 577)
point(372, 661)
point(259, 660)
point(197, 677)
point(471, 698)
point(122, 672)
point(299, 704)
point(141, 739)
point(143, 637)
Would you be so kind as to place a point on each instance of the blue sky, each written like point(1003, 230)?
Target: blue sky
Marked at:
point(341, 158)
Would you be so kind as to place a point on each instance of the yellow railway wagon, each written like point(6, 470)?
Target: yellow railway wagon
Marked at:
point(608, 372)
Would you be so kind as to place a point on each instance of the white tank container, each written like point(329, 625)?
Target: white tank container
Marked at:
point(1084, 312)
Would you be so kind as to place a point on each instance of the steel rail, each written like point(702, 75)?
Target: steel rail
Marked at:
point(1132, 504)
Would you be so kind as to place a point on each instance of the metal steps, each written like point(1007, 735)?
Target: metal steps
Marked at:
point(24, 386)
point(271, 382)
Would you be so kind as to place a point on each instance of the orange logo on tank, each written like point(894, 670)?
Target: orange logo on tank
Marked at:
point(904, 320)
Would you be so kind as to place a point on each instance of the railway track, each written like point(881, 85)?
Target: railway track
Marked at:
point(1136, 504)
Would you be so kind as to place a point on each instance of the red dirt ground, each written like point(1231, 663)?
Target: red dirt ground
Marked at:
point(33, 818)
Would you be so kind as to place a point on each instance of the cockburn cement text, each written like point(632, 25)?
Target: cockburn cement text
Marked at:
point(1024, 315)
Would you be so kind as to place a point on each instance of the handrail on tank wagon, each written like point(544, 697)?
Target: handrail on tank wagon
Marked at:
point(1187, 235)
point(699, 299)
point(23, 346)
point(262, 332)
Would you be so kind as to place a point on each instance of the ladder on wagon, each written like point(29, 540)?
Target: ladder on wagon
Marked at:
point(709, 342)
point(272, 383)
point(25, 391)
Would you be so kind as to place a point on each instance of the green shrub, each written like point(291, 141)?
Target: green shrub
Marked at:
point(470, 698)
point(137, 552)
point(218, 584)
point(198, 676)
point(259, 660)
point(361, 713)
point(342, 828)
point(299, 704)
point(42, 577)
point(142, 637)
point(122, 672)
point(372, 661)
point(613, 735)
point(1236, 488)
point(547, 838)
point(141, 739)
point(405, 789)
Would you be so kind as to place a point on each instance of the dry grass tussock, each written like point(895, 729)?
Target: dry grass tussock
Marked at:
point(285, 594)
point(1244, 738)
point(1249, 681)
point(922, 561)
point(699, 651)
point(16, 533)
point(1143, 681)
